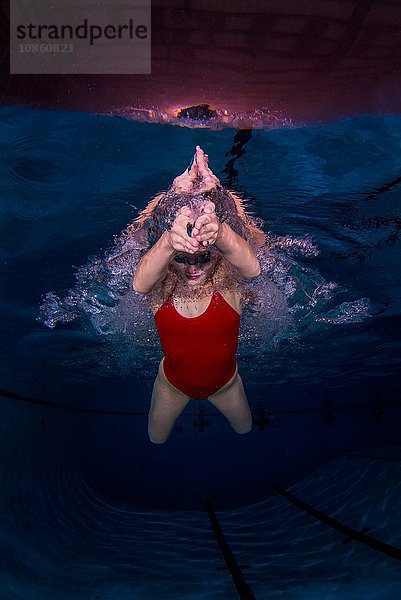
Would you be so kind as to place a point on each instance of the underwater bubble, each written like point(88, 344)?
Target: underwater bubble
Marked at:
point(54, 311)
point(347, 312)
point(285, 302)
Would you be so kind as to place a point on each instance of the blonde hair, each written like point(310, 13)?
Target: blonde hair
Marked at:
point(160, 212)
point(159, 215)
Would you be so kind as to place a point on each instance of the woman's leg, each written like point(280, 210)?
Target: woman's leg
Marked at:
point(166, 406)
point(231, 401)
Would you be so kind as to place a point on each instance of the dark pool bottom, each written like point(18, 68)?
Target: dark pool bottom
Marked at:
point(61, 537)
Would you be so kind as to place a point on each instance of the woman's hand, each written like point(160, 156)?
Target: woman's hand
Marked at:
point(206, 227)
point(190, 233)
point(180, 237)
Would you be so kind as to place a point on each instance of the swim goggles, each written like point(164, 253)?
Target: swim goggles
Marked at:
point(201, 259)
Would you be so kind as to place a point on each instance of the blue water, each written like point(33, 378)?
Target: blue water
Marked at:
point(89, 508)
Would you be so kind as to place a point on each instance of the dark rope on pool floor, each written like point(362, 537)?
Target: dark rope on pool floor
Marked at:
point(353, 534)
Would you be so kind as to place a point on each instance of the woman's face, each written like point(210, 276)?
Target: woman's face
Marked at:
point(194, 269)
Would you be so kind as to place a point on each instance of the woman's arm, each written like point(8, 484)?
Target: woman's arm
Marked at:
point(153, 266)
point(235, 249)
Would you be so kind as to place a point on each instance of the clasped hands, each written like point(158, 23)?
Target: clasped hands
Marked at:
point(191, 233)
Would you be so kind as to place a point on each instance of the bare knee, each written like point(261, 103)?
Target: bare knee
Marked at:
point(245, 427)
point(158, 439)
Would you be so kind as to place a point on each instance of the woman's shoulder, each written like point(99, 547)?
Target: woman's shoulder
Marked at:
point(228, 286)
point(233, 298)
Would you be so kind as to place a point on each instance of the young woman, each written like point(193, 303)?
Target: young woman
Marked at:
point(194, 275)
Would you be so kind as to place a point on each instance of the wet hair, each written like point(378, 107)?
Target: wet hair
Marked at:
point(158, 217)
point(160, 213)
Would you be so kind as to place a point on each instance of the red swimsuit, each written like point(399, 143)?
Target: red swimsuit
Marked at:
point(199, 351)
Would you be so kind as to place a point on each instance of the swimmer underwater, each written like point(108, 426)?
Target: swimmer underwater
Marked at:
point(194, 275)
